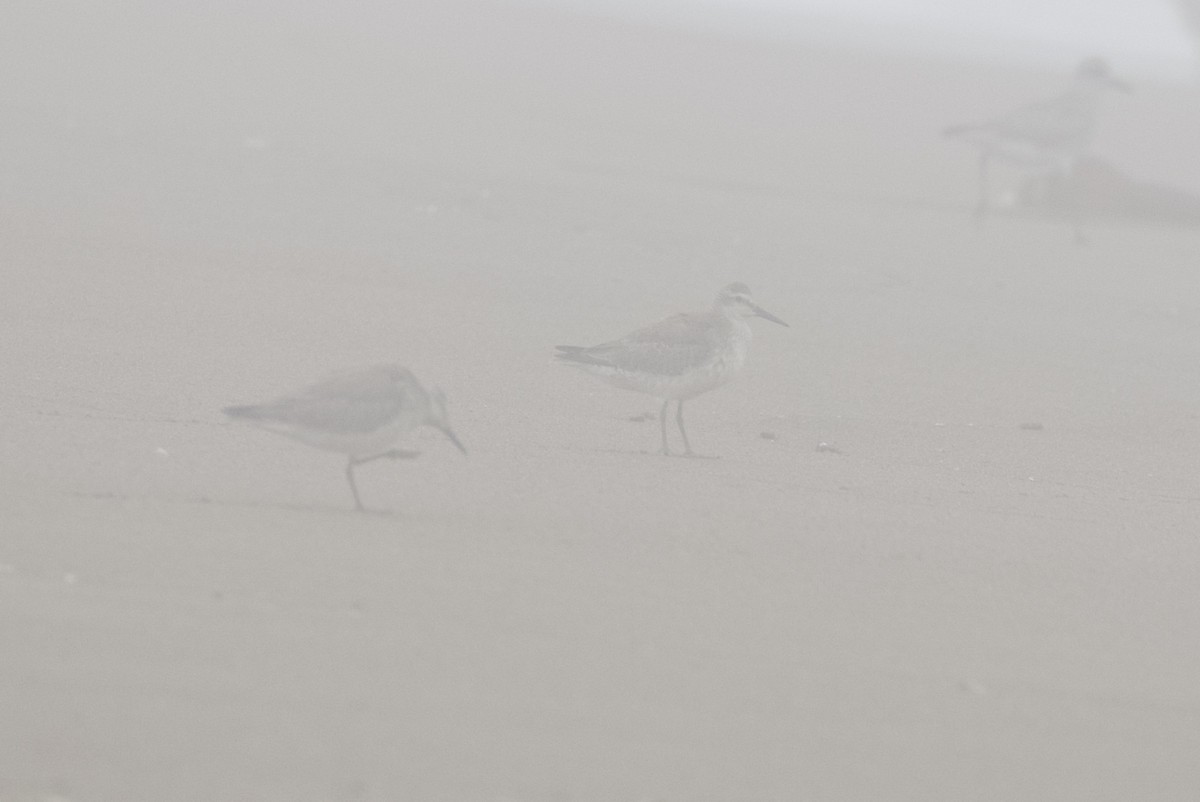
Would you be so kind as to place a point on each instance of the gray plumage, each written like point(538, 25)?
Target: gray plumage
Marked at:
point(345, 404)
point(678, 358)
point(360, 414)
point(1044, 137)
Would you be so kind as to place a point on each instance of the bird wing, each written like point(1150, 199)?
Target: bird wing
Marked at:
point(669, 348)
point(1046, 124)
point(349, 403)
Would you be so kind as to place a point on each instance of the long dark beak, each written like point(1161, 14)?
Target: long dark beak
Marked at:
point(446, 430)
point(763, 313)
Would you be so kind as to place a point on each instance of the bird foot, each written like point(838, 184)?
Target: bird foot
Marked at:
point(376, 513)
point(395, 453)
point(689, 454)
point(399, 453)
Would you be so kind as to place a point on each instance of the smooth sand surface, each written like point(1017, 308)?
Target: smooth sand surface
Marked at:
point(983, 586)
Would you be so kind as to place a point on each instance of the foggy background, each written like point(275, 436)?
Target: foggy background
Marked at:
point(945, 550)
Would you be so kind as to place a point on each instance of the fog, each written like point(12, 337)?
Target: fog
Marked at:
point(937, 537)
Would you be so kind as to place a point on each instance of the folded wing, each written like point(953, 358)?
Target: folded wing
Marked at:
point(353, 403)
point(668, 348)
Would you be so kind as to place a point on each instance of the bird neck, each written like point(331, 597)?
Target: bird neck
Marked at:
point(738, 325)
point(727, 311)
point(1083, 98)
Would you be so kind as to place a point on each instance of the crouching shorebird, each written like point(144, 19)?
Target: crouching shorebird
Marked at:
point(678, 358)
point(1043, 138)
point(359, 414)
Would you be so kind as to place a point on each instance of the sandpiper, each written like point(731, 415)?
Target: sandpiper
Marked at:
point(359, 414)
point(678, 358)
point(1046, 137)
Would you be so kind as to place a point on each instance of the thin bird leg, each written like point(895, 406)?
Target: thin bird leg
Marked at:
point(358, 505)
point(354, 462)
point(679, 419)
point(981, 207)
point(662, 420)
point(1075, 202)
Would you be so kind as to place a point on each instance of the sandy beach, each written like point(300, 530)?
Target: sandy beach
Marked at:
point(947, 549)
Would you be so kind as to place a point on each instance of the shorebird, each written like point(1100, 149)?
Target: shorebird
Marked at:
point(359, 414)
point(678, 358)
point(1046, 137)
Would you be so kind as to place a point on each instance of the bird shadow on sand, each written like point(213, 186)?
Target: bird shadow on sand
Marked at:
point(643, 453)
point(323, 509)
point(208, 501)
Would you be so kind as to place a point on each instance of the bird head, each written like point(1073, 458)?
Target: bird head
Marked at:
point(735, 300)
point(1096, 72)
point(438, 418)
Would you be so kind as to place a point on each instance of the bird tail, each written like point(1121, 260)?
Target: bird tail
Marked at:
point(245, 412)
point(569, 353)
point(579, 355)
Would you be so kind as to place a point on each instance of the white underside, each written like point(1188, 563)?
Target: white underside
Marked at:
point(1025, 155)
point(357, 445)
point(681, 387)
point(688, 383)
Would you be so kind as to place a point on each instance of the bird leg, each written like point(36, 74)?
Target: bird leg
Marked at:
point(358, 505)
point(981, 207)
point(395, 453)
point(662, 420)
point(354, 462)
point(1075, 200)
point(687, 447)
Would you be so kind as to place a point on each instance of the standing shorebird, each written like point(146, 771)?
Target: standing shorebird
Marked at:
point(1043, 138)
point(678, 358)
point(359, 414)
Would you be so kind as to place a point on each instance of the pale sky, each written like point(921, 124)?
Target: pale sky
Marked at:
point(1143, 36)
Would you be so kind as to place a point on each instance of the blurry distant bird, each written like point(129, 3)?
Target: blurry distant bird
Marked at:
point(1190, 10)
point(1045, 137)
point(1100, 189)
point(359, 414)
point(678, 358)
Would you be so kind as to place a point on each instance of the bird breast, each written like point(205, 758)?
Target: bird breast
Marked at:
point(728, 357)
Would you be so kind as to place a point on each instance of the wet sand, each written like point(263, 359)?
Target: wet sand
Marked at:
point(982, 586)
